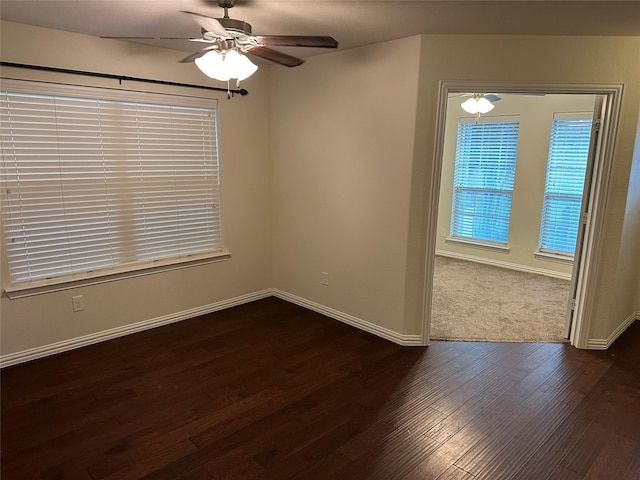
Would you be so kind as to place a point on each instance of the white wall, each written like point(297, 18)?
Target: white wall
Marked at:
point(42, 320)
point(535, 115)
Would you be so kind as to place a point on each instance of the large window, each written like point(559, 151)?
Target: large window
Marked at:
point(97, 182)
point(567, 164)
point(483, 180)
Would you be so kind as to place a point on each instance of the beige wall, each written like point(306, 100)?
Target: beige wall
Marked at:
point(342, 147)
point(535, 114)
point(352, 187)
point(335, 177)
point(45, 319)
point(559, 60)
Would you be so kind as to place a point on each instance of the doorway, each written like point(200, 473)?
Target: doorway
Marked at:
point(533, 109)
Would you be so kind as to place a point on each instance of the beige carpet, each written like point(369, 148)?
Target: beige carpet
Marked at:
point(477, 302)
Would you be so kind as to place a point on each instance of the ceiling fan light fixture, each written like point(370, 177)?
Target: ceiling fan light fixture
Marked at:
point(477, 105)
point(226, 65)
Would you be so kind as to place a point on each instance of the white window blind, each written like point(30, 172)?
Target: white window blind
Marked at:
point(566, 167)
point(93, 186)
point(483, 180)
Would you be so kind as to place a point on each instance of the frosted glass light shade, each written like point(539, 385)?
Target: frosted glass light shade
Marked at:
point(477, 105)
point(211, 65)
point(225, 66)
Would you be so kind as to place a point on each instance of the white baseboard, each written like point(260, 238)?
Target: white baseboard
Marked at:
point(605, 343)
point(85, 340)
point(400, 339)
point(501, 264)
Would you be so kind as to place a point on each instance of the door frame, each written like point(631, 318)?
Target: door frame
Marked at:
point(598, 192)
point(595, 143)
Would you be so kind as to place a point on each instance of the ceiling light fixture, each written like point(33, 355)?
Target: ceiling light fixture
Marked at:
point(226, 65)
point(477, 104)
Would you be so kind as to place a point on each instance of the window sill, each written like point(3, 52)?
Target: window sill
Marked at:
point(554, 257)
point(15, 292)
point(496, 247)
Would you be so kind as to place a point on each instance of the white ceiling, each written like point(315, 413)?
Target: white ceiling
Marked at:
point(352, 23)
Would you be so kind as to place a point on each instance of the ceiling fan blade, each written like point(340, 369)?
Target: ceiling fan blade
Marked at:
point(153, 38)
point(275, 56)
point(193, 56)
point(209, 24)
point(132, 38)
point(492, 97)
point(297, 41)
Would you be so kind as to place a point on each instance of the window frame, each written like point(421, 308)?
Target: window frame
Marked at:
point(126, 270)
point(485, 243)
point(543, 251)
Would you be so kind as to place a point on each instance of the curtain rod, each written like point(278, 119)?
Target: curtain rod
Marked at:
point(120, 78)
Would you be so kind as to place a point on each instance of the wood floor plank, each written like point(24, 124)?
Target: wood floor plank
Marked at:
point(543, 461)
point(230, 467)
point(488, 386)
point(561, 473)
point(494, 421)
point(270, 390)
point(633, 469)
point(485, 443)
point(455, 473)
point(511, 455)
point(437, 463)
point(199, 473)
point(400, 454)
point(586, 449)
point(614, 459)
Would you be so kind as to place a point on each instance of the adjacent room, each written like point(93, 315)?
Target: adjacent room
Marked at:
point(223, 225)
point(511, 190)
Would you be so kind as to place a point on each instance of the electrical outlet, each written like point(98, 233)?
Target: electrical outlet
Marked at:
point(78, 303)
point(325, 279)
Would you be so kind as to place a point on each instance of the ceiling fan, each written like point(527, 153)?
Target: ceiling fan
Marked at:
point(229, 39)
point(225, 33)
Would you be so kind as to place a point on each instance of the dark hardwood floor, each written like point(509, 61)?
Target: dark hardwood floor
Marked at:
point(269, 390)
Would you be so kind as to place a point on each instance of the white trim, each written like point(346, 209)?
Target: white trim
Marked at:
point(85, 340)
point(496, 247)
point(104, 277)
point(400, 339)
point(605, 343)
point(595, 228)
point(586, 115)
point(554, 257)
point(508, 265)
